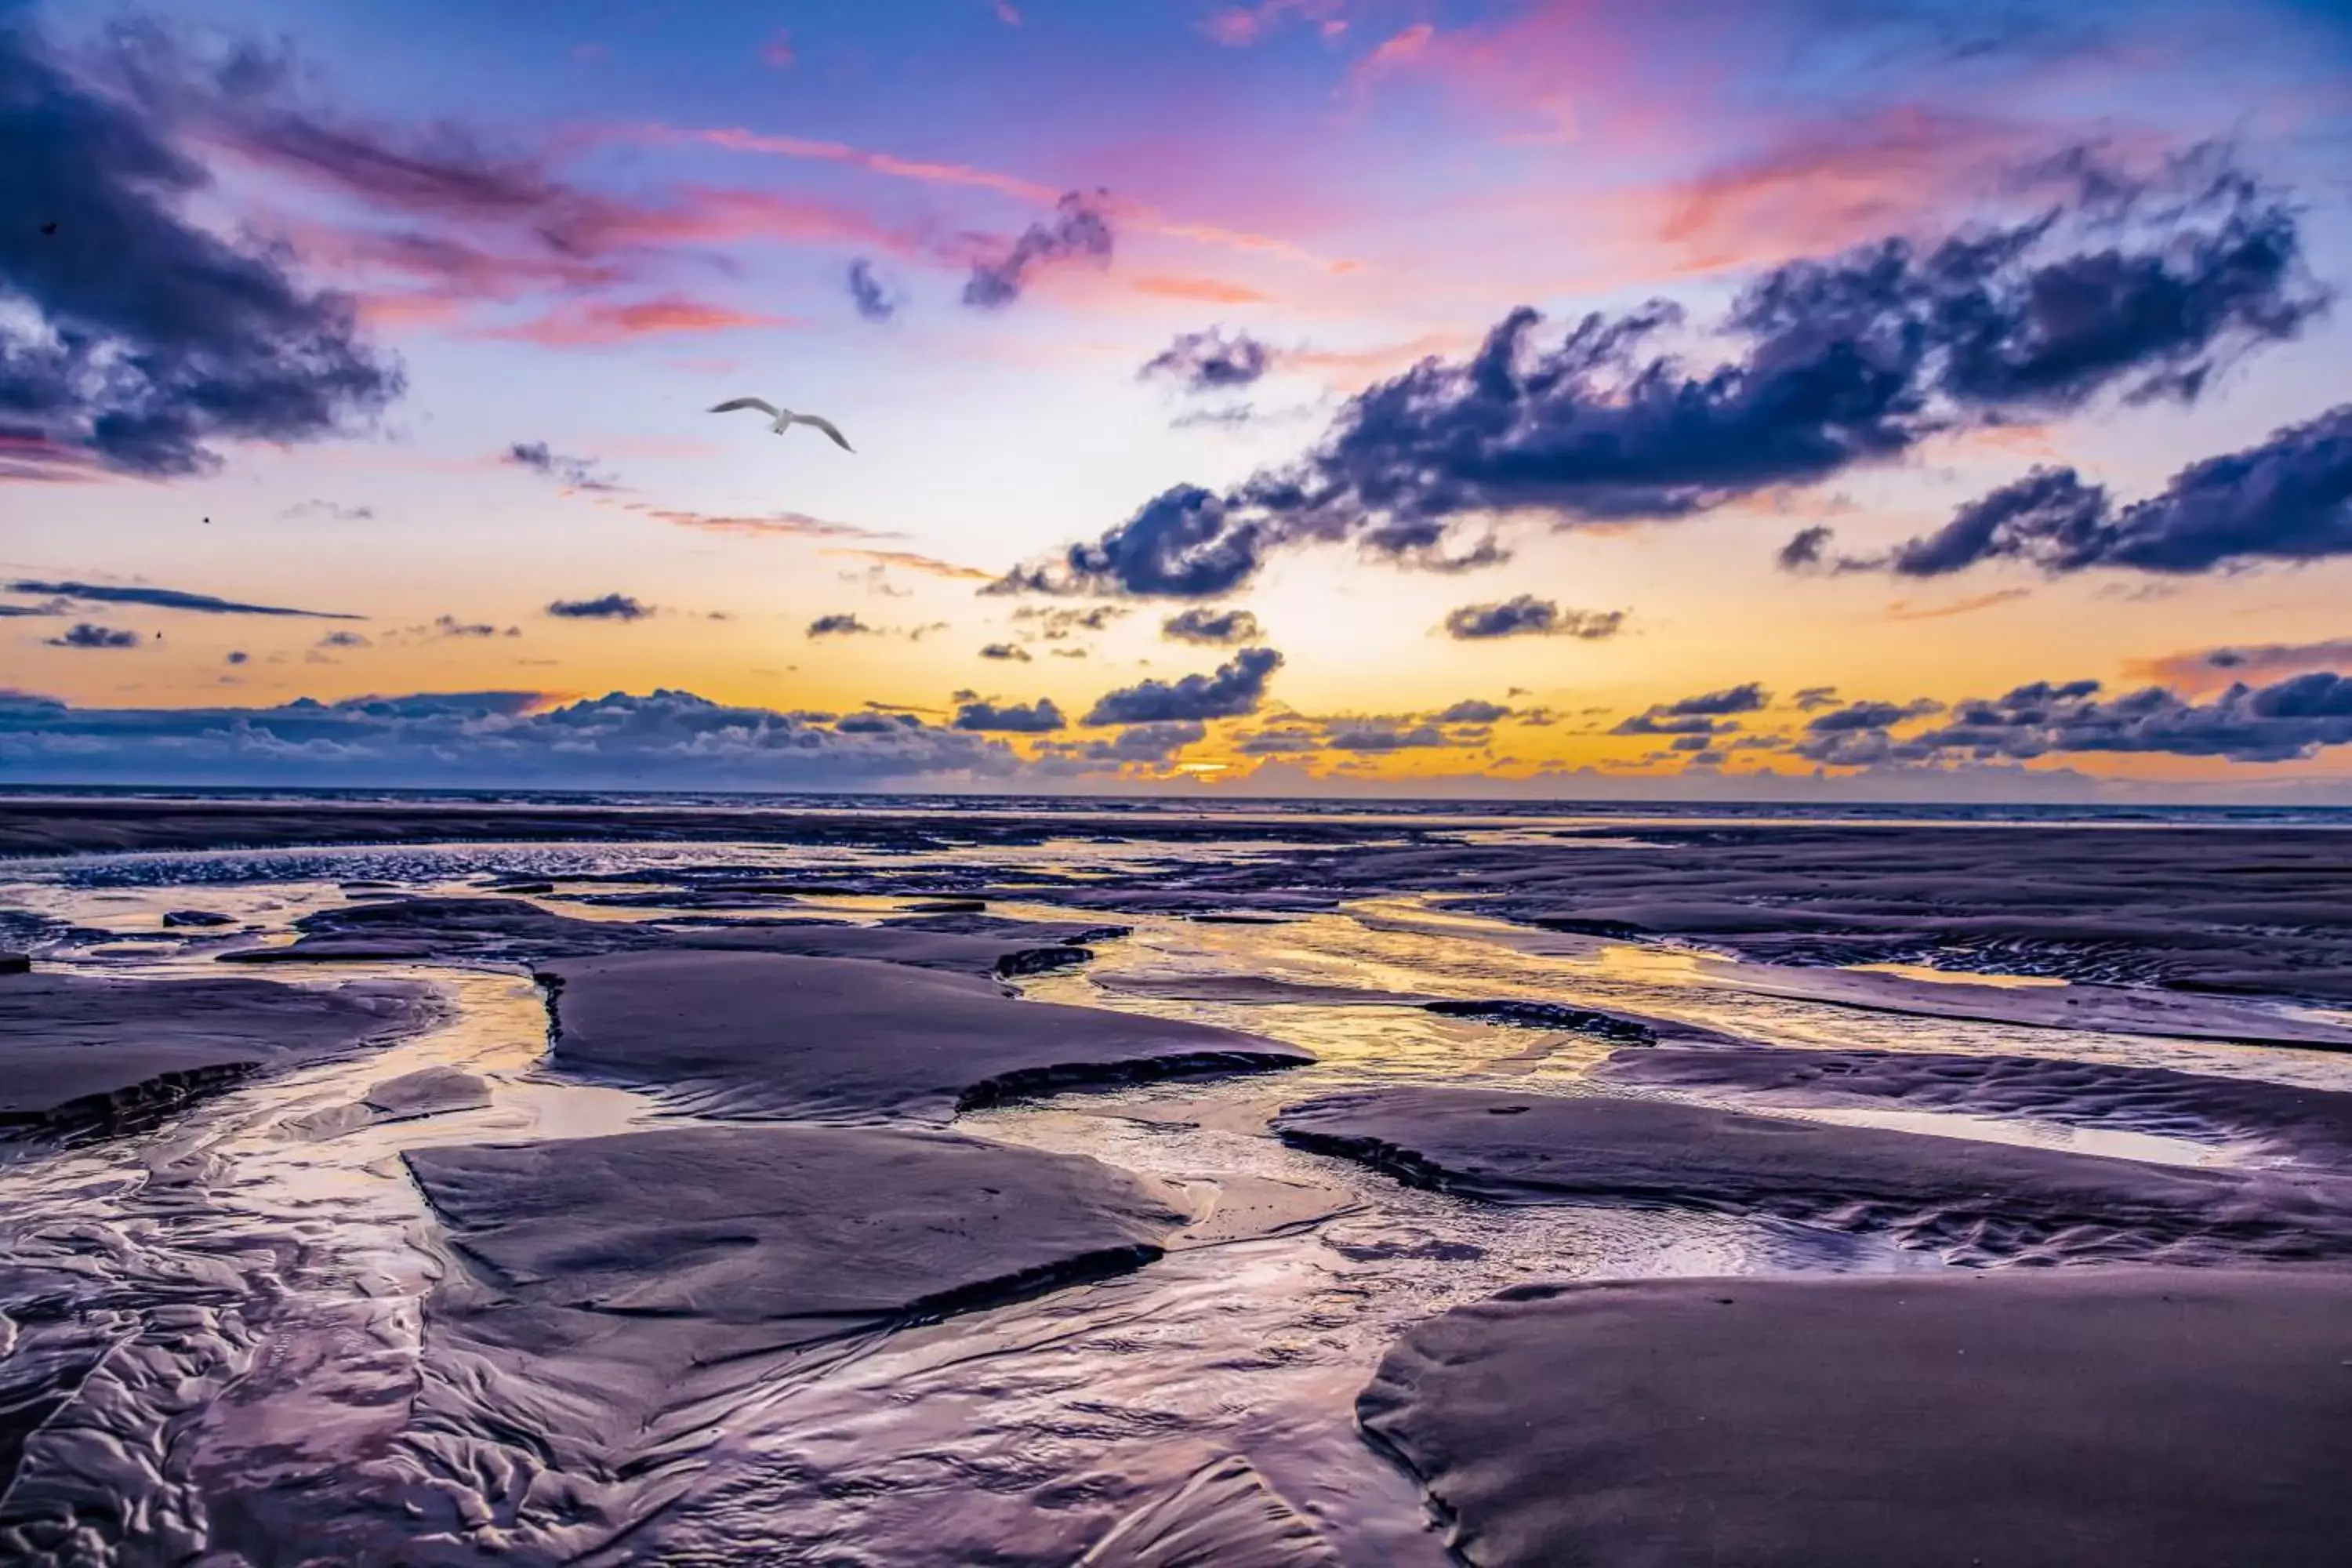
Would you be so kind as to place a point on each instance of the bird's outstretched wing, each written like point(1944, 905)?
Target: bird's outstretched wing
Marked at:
point(828, 427)
point(732, 403)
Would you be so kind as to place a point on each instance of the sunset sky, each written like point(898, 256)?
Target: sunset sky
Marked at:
point(1197, 442)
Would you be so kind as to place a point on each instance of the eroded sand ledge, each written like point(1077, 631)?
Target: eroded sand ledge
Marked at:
point(764, 1034)
point(1970, 1202)
point(89, 1052)
point(2163, 1418)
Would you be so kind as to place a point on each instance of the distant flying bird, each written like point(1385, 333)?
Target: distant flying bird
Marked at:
point(785, 418)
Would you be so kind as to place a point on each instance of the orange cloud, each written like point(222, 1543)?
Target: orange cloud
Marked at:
point(779, 524)
point(1903, 610)
point(580, 325)
point(930, 564)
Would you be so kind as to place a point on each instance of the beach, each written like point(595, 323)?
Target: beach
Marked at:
point(683, 1179)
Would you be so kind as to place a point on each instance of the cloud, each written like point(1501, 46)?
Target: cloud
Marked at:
point(875, 300)
point(451, 626)
point(1057, 623)
point(1210, 361)
point(1527, 615)
point(2288, 721)
point(167, 599)
point(778, 51)
point(1039, 718)
point(2211, 668)
point(1472, 711)
point(1079, 231)
point(83, 635)
point(1005, 650)
point(2286, 499)
point(1709, 713)
point(780, 525)
point(931, 565)
point(236, 655)
point(1215, 628)
point(1903, 610)
point(138, 340)
point(1147, 745)
point(2133, 289)
point(837, 624)
point(579, 473)
point(610, 608)
point(1812, 697)
point(662, 739)
point(344, 639)
point(1807, 548)
point(600, 323)
point(1186, 543)
point(334, 511)
point(1236, 688)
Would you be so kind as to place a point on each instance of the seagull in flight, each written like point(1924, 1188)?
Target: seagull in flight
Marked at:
point(785, 418)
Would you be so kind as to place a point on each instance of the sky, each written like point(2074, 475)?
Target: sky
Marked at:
point(1836, 399)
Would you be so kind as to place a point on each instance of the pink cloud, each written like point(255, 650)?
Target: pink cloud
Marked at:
point(1531, 70)
point(1823, 187)
point(1007, 13)
point(596, 323)
point(1208, 290)
point(1128, 212)
point(778, 51)
point(1238, 27)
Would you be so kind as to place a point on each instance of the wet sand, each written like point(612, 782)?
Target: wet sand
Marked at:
point(1976, 1202)
point(764, 1035)
point(2165, 1418)
point(1037, 1188)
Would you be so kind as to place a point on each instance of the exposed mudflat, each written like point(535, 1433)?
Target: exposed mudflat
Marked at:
point(2167, 1418)
point(705, 1186)
point(2311, 1125)
point(764, 1035)
point(1970, 1202)
point(78, 1051)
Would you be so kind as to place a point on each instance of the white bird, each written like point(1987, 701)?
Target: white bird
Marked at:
point(785, 418)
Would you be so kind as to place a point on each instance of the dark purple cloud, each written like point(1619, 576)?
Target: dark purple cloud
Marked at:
point(2287, 720)
point(2132, 288)
point(1236, 688)
point(875, 300)
point(838, 624)
point(579, 473)
point(610, 608)
point(984, 717)
point(1078, 231)
point(1527, 615)
point(167, 599)
point(83, 635)
point(1214, 628)
point(2286, 499)
point(1709, 713)
point(1210, 361)
point(671, 739)
point(139, 341)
